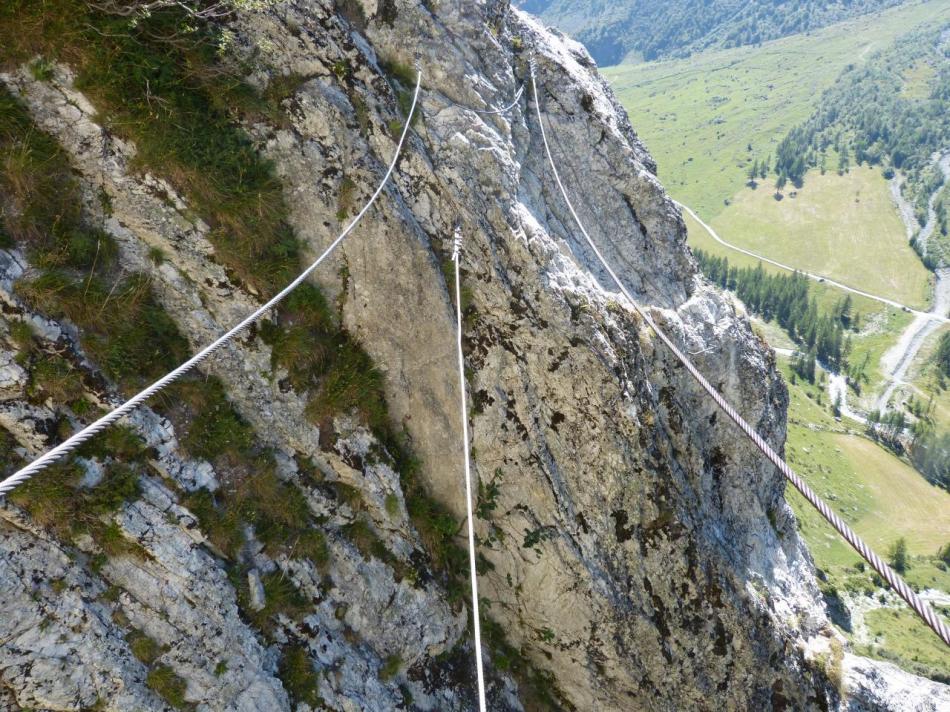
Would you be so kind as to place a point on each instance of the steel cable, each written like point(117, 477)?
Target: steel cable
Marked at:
point(105, 421)
point(896, 582)
point(456, 259)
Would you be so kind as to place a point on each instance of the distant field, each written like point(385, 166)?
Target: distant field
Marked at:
point(698, 238)
point(920, 648)
point(698, 116)
point(878, 494)
point(844, 227)
point(880, 324)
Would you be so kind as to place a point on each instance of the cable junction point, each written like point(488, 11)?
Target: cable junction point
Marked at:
point(505, 109)
point(105, 421)
point(896, 582)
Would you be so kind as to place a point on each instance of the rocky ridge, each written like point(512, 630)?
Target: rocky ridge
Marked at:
point(635, 550)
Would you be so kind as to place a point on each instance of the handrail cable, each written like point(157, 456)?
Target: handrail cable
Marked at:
point(913, 600)
point(456, 259)
point(105, 421)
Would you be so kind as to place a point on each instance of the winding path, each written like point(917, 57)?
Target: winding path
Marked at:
point(897, 360)
point(816, 277)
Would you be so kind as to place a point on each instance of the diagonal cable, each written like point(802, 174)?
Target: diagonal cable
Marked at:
point(913, 600)
point(105, 421)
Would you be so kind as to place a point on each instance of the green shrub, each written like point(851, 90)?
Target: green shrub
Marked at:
point(345, 199)
point(22, 335)
point(51, 498)
point(352, 383)
point(366, 540)
point(538, 687)
point(52, 376)
point(143, 647)
point(119, 484)
point(280, 597)
point(223, 526)
point(208, 425)
point(297, 673)
point(392, 504)
point(897, 556)
point(58, 502)
point(119, 441)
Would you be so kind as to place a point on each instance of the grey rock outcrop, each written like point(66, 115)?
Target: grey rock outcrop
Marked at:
point(637, 551)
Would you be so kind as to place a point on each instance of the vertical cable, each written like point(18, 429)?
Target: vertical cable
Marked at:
point(456, 259)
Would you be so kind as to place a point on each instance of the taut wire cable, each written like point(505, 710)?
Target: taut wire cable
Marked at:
point(919, 606)
point(105, 421)
point(456, 259)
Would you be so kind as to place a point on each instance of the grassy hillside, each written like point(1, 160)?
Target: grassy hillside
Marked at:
point(844, 227)
point(699, 116)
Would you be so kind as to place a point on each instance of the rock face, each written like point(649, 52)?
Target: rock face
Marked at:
point(636, 550)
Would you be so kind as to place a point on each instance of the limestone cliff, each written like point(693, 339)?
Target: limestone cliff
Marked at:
point(635, 551)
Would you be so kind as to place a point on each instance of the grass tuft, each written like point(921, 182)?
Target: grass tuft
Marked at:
point(297, 673)
point(168, 685)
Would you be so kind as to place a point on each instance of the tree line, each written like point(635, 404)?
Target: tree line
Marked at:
point(786, 298)
point(676, 28)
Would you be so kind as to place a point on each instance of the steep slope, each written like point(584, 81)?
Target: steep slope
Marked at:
point(632, 550)
point(614, 29)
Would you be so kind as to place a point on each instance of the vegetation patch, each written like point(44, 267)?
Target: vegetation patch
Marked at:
point(324, 360)
point(123, 327)
point(390, 667)
point(299, 678)
point(143, 647)
point(169, 686)
point(58, 501)
point(537, 688)
point(252, 493)
point(159, 80)
point(281, 597)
